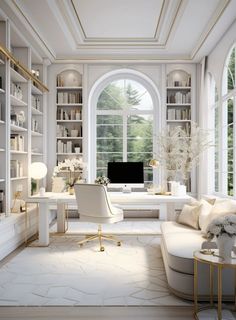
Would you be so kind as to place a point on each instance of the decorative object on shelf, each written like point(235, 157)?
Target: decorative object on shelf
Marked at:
point(74, 168)
point(179, 152)
point(1, 201)
point(224, 229)
point(154, 163)
point(38, 171)
point(18, 203)
point(102, 180)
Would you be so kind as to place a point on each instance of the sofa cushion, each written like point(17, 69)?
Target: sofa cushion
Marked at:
point(179, 246)
point(190, 216)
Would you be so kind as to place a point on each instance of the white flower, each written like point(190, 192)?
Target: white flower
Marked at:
point(230, 229)
point(215, 230)
point(231, 218)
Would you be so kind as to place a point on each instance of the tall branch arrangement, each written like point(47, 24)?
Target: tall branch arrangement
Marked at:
point(179, 152)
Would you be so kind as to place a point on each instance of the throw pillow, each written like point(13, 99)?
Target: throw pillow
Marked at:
point(205, 210)
point(189, 216)
point(222, 207)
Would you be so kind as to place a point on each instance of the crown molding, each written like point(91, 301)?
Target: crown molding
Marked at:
point(210, 26)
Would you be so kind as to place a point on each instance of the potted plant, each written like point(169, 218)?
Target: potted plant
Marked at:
point(224, 229)
point(102, 180)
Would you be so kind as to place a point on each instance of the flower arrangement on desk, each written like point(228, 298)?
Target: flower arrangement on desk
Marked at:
point(72, 166)
point(102, 180)
point(222, 226)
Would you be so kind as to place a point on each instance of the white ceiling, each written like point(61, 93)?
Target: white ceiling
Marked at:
point(123, 29)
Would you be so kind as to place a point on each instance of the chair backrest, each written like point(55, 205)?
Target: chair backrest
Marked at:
point(93, 200)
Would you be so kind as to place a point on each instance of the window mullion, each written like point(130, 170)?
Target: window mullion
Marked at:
point(125, 118)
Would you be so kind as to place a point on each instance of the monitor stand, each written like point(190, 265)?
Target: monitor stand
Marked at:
point(126, 189)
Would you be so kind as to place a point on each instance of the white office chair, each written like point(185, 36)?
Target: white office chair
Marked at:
point(94, 206)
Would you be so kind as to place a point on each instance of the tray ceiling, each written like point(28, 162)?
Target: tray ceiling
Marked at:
point(124, 29)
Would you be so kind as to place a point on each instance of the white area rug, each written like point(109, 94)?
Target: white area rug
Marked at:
point(64, 274)
point(127, 226)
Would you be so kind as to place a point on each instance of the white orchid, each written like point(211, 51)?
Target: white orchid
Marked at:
point(179, 151)
point(71, 166)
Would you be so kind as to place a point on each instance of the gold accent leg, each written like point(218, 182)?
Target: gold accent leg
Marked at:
point(100, 237)
point(195, 287)
point(211, 284)
point(235, 289)
point(219, 292)
point(26, 223)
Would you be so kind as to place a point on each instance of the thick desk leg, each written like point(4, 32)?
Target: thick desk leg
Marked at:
point(163, 211)
point(43, 224)
point(61, 217)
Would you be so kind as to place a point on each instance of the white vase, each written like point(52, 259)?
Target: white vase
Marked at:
point(225, 245)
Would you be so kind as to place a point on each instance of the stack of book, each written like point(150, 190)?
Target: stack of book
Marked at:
point(64, 147)
point(17, 142)
point(16, 169)
point(69, 97)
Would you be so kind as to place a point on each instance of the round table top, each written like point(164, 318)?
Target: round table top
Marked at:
point(212, 257)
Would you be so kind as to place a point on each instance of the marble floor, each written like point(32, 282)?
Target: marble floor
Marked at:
point(64, 274)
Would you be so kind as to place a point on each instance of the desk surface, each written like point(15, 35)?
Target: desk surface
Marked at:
point(115, 197)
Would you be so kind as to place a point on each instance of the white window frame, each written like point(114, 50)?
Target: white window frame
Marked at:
point(95, 92)
point(223, 125)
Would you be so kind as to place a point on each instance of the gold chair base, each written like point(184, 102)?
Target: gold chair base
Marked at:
point(100, 236)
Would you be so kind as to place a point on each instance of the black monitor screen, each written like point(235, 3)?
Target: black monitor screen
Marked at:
point(125, 172)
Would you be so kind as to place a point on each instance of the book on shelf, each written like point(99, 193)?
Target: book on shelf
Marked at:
point(17, 142)
point(69, 97)
point(179, 97)
point(178, 114)
point(35, 125)
point(35, 102)
point(16, 169)
point(74, 114)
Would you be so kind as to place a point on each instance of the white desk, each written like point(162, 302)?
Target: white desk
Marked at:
point(134, 200)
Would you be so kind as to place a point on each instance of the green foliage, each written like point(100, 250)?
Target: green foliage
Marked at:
point(231, 70)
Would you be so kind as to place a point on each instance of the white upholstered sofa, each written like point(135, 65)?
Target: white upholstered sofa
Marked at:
point(178, 244)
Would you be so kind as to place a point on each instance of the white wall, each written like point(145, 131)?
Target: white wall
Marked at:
point(91, 74)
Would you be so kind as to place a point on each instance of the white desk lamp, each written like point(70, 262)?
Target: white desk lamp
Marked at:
point(38, 171)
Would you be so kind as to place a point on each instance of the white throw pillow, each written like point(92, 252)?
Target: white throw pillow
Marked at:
point(221, 207)
point(189, 216)
point(205, 210)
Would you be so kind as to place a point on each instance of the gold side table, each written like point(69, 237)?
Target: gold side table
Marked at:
point(213, 260)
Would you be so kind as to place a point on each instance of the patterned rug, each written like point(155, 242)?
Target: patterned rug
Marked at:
point(65, 274)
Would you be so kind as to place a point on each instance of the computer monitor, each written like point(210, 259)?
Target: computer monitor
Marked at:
point(130, 174)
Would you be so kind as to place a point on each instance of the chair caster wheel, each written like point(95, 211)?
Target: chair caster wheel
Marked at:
point(118, 243)
point(102, 249)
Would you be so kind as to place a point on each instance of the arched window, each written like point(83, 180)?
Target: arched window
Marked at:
point(225, 129)
point(124, 121)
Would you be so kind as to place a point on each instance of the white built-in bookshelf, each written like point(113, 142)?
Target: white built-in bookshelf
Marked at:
point(179, 101)
point(69, 115)
point(21, 114)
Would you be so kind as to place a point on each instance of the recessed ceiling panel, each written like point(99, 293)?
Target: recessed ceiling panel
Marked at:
point(119, 19)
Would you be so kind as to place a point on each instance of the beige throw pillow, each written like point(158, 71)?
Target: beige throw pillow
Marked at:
point(189, 216)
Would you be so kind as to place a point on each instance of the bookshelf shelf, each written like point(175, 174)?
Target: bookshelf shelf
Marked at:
point(2, 90)
point(178, 88)
point(19, 178)
point(70, 138)
point(17, 102)
point(69, 121)
point(36, 154)
point(69, 104)
point(69, 88)
point(2, 122)
point(2, 180)
point(36, 134)
point(69, 154)
point(16, 77)
point(18, 128)
point(36, 91)
point(178, 121)
point(36, 112)
point(178, 104)
point(2, 150)
point(18, 152)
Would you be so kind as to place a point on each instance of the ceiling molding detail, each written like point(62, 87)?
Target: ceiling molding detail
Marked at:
point(32, 28)
point(212, 22)
point(164, 24)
